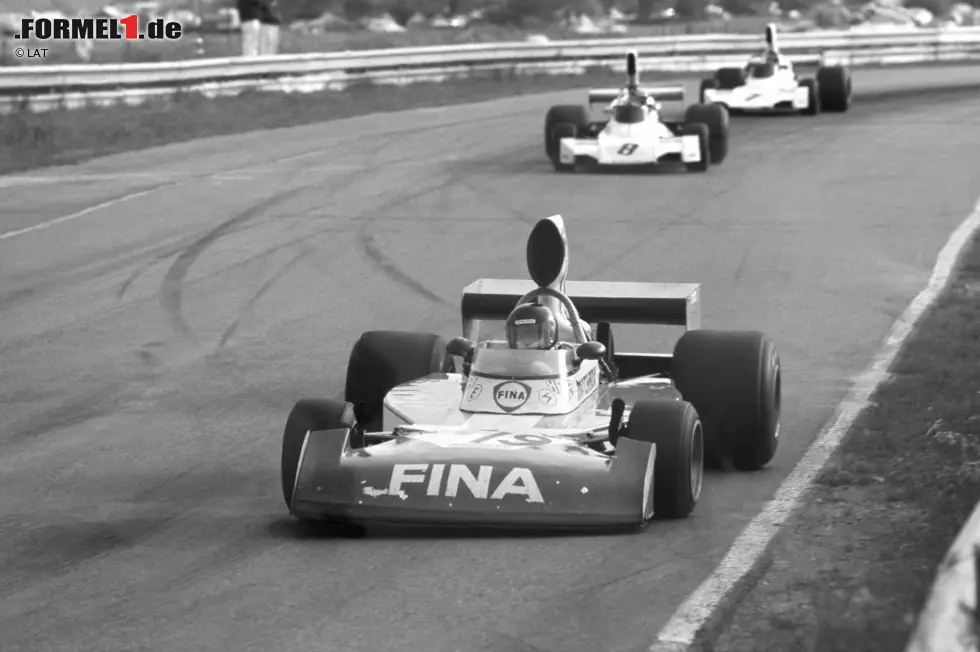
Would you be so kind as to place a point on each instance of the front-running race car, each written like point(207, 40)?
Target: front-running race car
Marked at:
point(634, 132)
point(549, 427)
point(768, 83)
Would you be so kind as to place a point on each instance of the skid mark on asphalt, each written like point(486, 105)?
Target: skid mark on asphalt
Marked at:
point(51, 551)
point(373, 251)
point(171, 295)
point(261, 291)
point(69, 413)
point(145, 267)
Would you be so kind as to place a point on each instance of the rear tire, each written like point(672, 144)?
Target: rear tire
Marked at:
point(701, 131)
point(834, 83)
point(382, 360)
point(715, 116)
point(730, 78)
point(733, 380)
point(306, 416)
point(575, 115)
point(813, 97)
point(678, 474)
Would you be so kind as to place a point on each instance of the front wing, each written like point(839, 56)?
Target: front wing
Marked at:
point(746, 99)
point(624, 152)
point(412, 483)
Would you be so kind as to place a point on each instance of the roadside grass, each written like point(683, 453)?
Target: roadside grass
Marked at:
point(297, 41)
point(853, 569)
point(64, 137)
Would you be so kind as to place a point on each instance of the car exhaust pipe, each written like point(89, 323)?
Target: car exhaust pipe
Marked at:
point(632, 69)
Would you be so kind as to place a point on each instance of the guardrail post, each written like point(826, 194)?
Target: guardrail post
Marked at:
point(975, 612)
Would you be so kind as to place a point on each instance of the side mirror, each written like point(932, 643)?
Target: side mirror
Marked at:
point(591, 351)
point(462, 347)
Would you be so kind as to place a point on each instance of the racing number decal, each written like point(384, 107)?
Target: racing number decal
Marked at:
point(513, 440)
point(627, 149)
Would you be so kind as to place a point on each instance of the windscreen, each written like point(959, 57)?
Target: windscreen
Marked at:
point(629, 114)
point(761, 70)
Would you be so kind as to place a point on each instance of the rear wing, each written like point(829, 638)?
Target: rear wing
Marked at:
point(616, 302)
point(659, 93)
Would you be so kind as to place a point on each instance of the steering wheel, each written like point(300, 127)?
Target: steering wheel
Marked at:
point(577, 329)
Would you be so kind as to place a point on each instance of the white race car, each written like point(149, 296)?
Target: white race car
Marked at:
point(634, 134)
point(768, 83)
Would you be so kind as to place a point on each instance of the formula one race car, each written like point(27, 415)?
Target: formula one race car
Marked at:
point(550, 427)
point(768, 83)
point(634, 134)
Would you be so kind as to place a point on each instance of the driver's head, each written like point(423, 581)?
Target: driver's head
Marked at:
point(531, 326)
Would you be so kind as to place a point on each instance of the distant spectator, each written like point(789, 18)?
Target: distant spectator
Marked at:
point(261, 20)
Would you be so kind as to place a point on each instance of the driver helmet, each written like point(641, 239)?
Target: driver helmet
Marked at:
point(532, 326)
point(630, 109)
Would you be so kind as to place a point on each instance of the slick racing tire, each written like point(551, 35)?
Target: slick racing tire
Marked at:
point(382, 360)
point(704, 139)
point(706, 84)
point(834, 84)
point(306, 416)
point(715, 116)
point(733, 380)
point(813, 96)
point(563, 130)
point(730, 78)
point(678, 473)
point(575, 115)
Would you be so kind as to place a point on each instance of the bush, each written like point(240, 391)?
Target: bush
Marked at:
point(524, 12)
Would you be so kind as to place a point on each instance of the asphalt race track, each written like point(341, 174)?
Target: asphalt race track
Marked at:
point(150, 349)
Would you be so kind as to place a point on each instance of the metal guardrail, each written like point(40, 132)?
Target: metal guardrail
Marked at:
point(29, 78)
point(78, 84)
point(950, 620)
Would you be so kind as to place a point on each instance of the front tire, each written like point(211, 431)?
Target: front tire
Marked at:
point(715, 116)
point(678, 474)
point(733, 380)
point(575, 115)
point(308, 415)
point(382, 360)
point(563, 130)
point(701, 131)
point(834, 84)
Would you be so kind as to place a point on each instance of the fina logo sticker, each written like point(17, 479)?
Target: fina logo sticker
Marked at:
point(511, 395)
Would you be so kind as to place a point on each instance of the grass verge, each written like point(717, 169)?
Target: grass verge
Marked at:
point(853, 568)
point(64, 137)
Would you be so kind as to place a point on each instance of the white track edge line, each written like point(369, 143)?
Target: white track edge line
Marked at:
point(73, 216)
point(682, 629)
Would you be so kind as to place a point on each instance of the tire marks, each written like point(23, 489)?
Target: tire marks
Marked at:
point(171, 294)
point(265, 287)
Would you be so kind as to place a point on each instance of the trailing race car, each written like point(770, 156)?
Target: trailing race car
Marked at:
point(549, 427)
point(634, 134)
point(768, 83)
